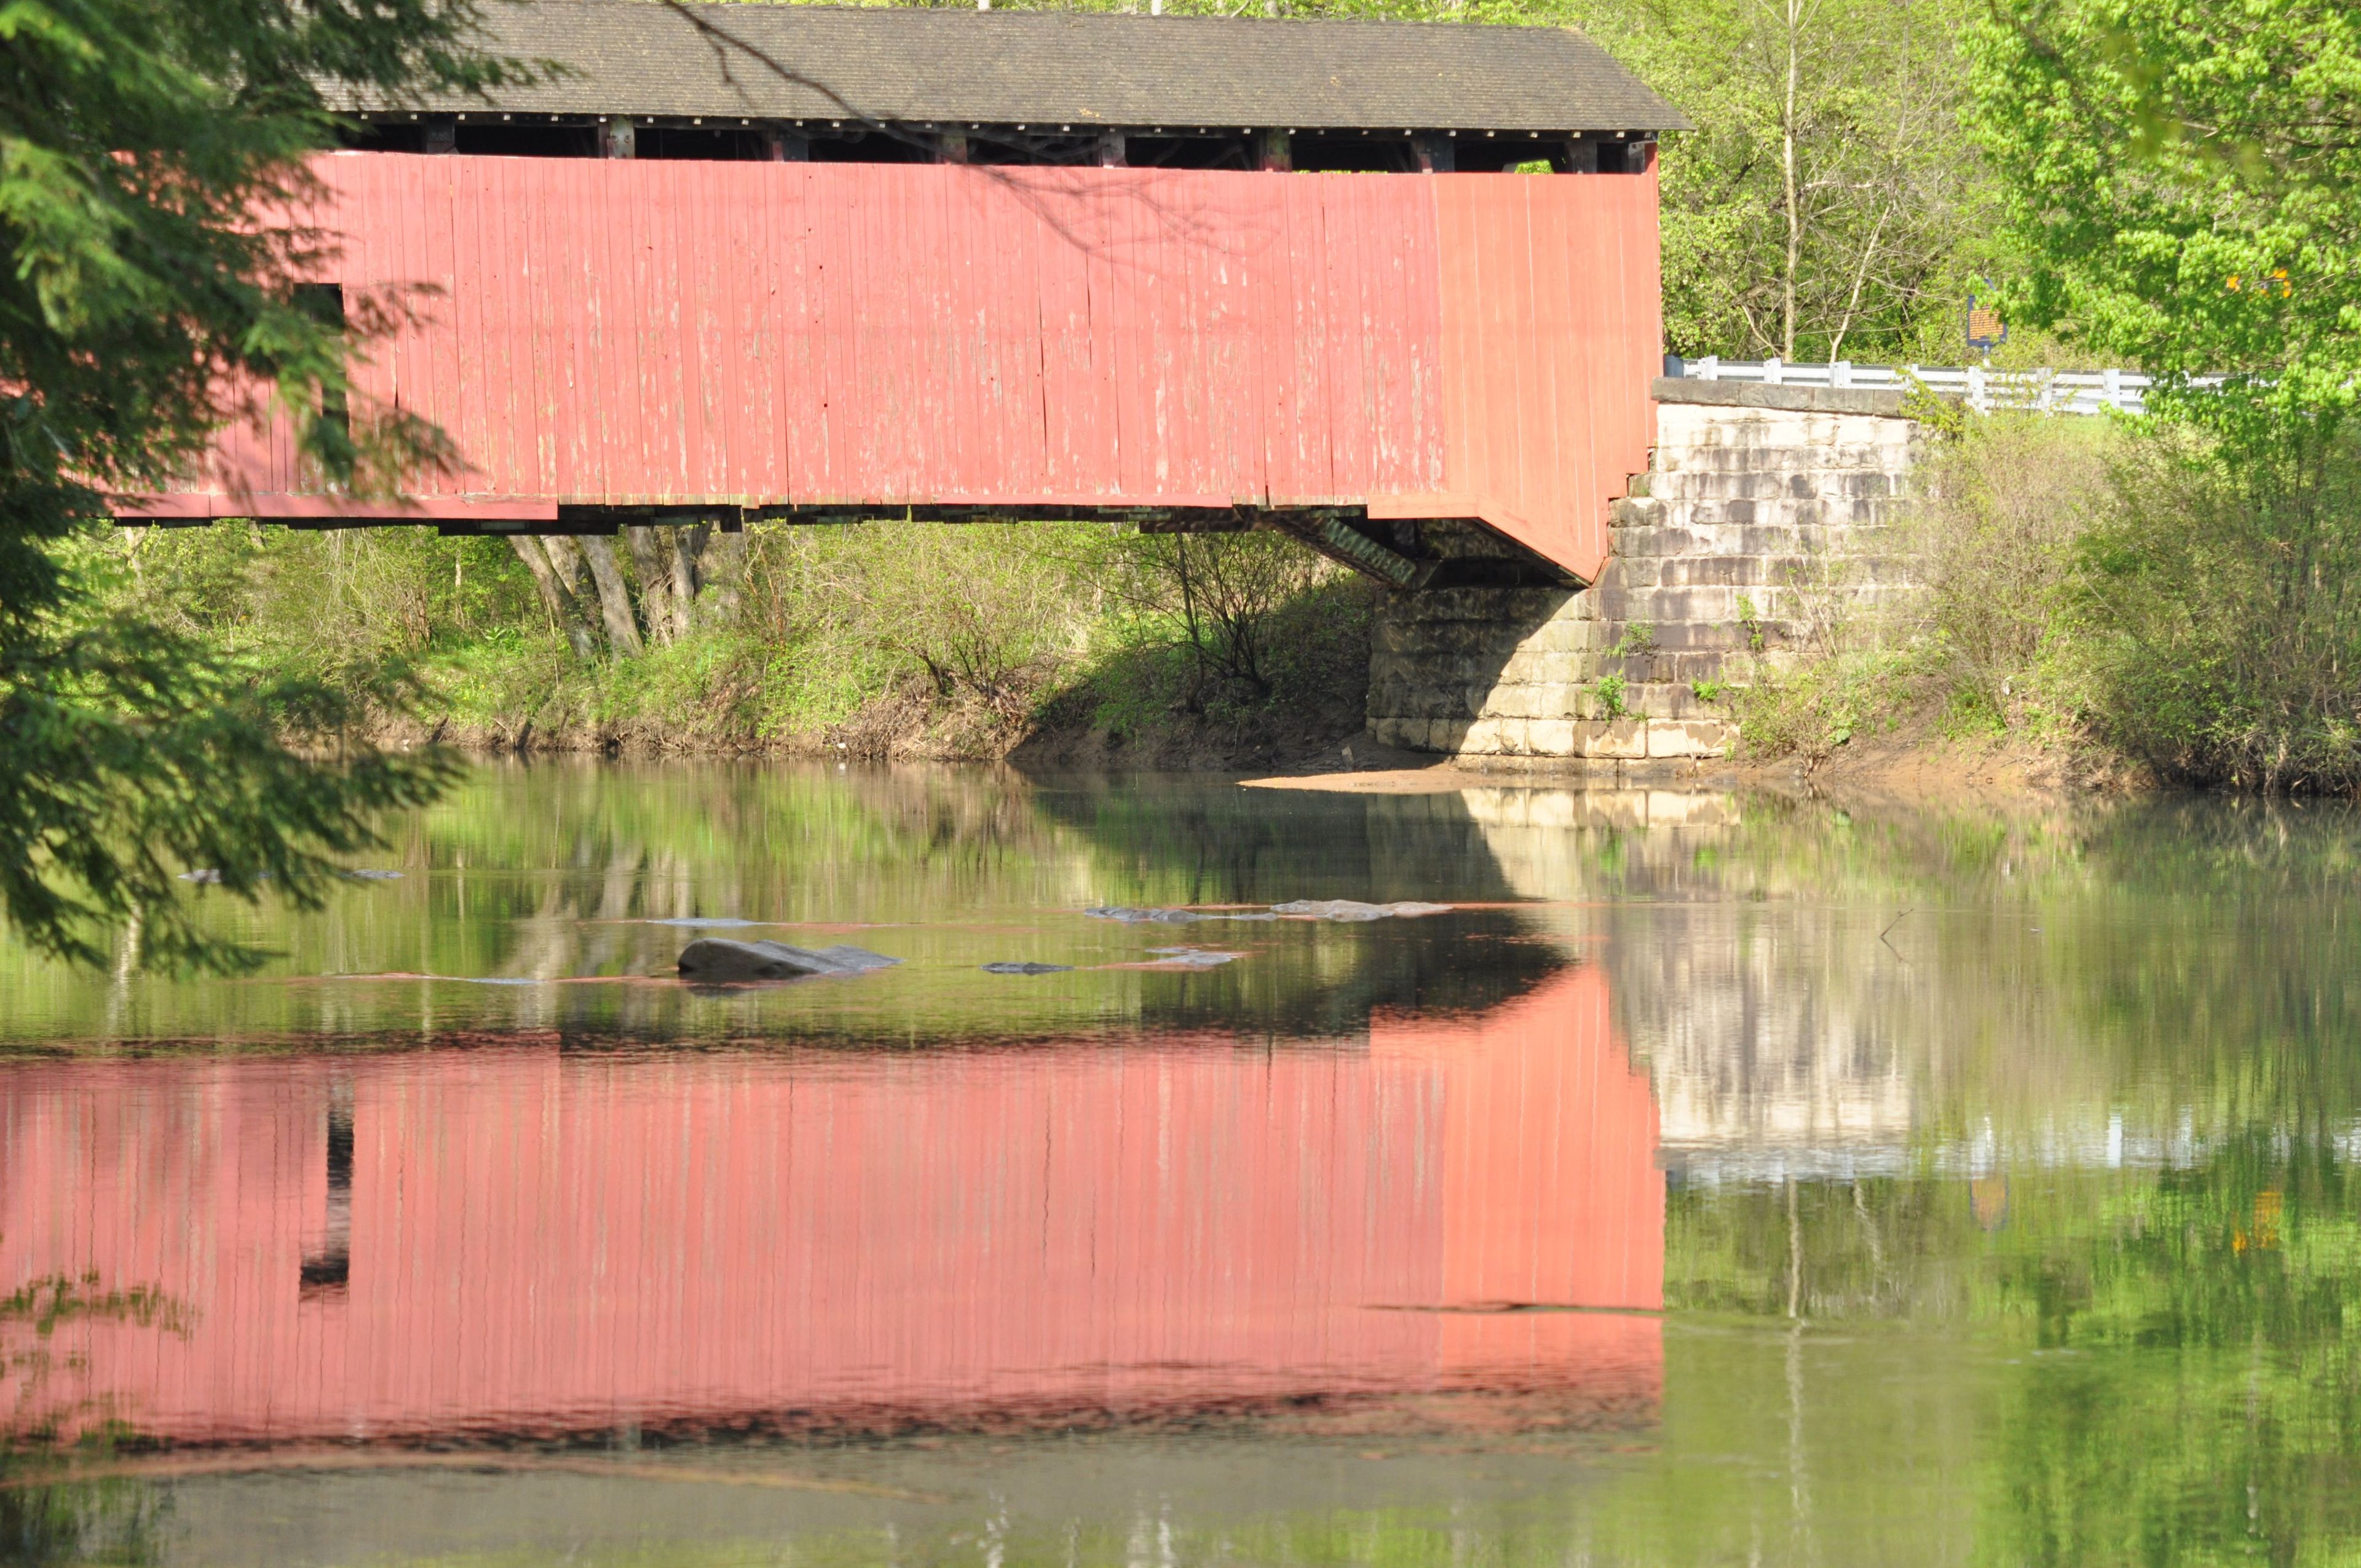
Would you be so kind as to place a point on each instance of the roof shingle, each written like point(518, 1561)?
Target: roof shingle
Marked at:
point(913, 65)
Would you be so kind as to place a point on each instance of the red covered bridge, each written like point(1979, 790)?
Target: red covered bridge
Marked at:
point(795, 262)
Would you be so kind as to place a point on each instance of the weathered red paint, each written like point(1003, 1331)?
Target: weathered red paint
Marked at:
point(619, 333)
point(548, 1242)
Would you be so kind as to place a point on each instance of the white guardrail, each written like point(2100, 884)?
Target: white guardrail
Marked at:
point(1983, 389)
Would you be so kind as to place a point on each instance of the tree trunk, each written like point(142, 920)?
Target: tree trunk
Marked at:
point(688, 545)
point(722, 577)
point(574, 575)
point(652, 564)
point(557, 593)
point(614, 599)
point(1787, 171)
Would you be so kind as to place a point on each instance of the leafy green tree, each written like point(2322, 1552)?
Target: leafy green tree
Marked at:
point(1825, 207)
point(2186, 179)
point(150, 159)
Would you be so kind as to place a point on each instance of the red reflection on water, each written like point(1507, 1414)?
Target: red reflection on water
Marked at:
point(529, 1241)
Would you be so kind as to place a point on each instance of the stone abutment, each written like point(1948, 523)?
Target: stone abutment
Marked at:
point(1761, 526)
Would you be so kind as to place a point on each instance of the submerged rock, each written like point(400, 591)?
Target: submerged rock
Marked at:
point(1191, 958)
point(1131, 917)
point(1027, 968)
point(1173, 916)
point(1301, 909)
point(720, 959)
point(1353, 909)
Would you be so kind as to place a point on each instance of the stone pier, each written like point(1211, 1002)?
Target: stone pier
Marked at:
point(1760, 526)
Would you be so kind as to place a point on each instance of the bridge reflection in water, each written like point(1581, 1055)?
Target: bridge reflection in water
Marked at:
point(533, 1241)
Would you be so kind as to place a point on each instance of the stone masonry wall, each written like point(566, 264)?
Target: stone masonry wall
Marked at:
point(1760, 526)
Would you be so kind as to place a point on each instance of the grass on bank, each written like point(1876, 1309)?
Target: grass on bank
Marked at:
point(2131, 590)
point(882, 639)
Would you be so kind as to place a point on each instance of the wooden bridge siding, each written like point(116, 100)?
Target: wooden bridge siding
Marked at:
point(959, 340)
point(1551, 296)
point(623, 332)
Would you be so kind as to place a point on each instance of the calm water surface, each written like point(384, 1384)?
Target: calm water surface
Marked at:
point(1721, 1180)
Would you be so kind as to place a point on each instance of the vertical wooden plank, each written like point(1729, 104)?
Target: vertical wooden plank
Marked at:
point(575, 279)
point(946, 297)
point(1295, 395)
point(697, 249)
point(724, 383)
point(1356, 338)
point(541, 345)
point(762, 326)
point(1521, 462)
point(1117, 302)
point(675, 421)
point(1074, 415)
point(827, 214)
point(760, 456)
point(511, 472)
point(673, 236)
point(727, 382)
point(838, 223)
point(496, 342)
point(460, 317)
point(797, 312)
point(626, 438)
point(1239, 252)
point(1105, 389)
point(1572, 300)
point(960, 258)
point(891, 399)
point(1017, 432)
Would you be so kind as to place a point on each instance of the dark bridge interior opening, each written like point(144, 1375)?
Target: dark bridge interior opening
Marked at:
point(1376, 150)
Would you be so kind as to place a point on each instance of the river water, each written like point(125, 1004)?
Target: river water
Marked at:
point(1719, 1179)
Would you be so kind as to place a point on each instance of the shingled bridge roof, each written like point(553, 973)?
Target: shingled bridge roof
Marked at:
point(639, 58)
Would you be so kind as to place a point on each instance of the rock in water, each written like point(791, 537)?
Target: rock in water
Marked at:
point(1130, 917)
point(1353, 909)
point(720, 959)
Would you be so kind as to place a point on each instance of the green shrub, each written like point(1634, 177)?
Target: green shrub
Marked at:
point(2212, 629)
point(2002, 505)
point(1815, 706)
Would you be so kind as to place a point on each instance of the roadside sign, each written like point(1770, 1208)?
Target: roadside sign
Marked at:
point(1986, 331)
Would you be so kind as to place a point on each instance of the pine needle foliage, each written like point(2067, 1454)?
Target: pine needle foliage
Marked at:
point(151, 187)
